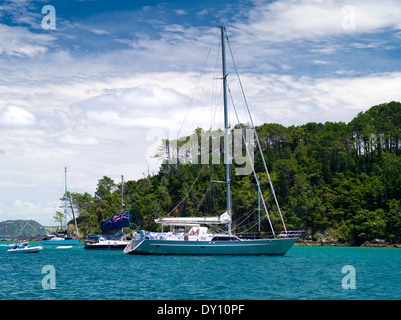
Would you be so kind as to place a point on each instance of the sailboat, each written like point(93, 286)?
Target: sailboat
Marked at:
point(103, 243)
point(199, 240)
point(56, 239)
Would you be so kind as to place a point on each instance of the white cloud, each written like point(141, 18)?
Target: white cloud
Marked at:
point(19, 41)
point(74, 140)
point(293, 100)
point(16, 117)
point(144, 106)
point(172, 49)
point(113, 118)
point(202, 12)
point(22, 12)
point(80, 27)
point(29, 210)
point(293, 20)
point(321, 62)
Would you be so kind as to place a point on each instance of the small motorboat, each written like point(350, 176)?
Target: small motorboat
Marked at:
point(24, 247)
point(105, 244)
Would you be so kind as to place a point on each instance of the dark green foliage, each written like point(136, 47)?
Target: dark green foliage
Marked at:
point(333, 178)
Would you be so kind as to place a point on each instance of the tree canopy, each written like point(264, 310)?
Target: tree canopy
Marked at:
point(332, 179)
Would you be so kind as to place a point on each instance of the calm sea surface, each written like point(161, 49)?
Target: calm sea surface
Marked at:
point(303, 273)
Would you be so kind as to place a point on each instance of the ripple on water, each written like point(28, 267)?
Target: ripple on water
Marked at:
point(304, 273)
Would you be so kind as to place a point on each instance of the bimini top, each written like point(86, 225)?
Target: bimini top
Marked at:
point(182, 221)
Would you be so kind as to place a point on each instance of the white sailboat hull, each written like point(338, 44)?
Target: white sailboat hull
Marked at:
point(179, 247)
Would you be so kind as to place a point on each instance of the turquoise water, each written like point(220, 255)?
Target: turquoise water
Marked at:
point(303, 273)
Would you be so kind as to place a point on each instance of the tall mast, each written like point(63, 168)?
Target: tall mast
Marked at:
point(226, 127)
point(122, 201)
point(65, 196)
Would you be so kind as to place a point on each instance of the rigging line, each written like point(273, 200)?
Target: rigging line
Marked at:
point(200, 171)
point(250, 225)
point(248, 213)
point(254, 224)
point(196, 87)
point(256, 135)
point(216, 108)
point(244, 218)
point(201, 200)
point(133, 208)
point(215, 96)
point(253, 169)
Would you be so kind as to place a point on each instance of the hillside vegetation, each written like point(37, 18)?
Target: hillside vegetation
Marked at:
point(334, 180)
point(21, 229)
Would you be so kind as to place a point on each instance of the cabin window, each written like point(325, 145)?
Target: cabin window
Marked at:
point(221, 238)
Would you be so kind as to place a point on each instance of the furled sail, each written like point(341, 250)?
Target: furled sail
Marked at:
point(180, 221)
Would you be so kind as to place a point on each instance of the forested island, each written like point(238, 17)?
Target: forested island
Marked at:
point(334, 180)
point(21, 229)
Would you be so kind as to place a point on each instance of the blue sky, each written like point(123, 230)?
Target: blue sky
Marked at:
point(98, 93)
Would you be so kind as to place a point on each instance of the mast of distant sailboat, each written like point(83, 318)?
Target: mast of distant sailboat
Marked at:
point(122, 203)
point(65, 196)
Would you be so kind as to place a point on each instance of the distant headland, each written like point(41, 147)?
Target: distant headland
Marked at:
point(22, 229)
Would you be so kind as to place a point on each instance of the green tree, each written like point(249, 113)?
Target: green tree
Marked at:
point(59, 217)
point(105, 187)
point(330, 178)
point(369, 225)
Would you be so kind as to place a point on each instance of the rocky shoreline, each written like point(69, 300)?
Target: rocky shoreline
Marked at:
point(334, 243)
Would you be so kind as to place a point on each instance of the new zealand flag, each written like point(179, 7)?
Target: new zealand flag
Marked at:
point(117, 222)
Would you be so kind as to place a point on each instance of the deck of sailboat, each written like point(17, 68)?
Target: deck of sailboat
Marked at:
point(278, 246)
